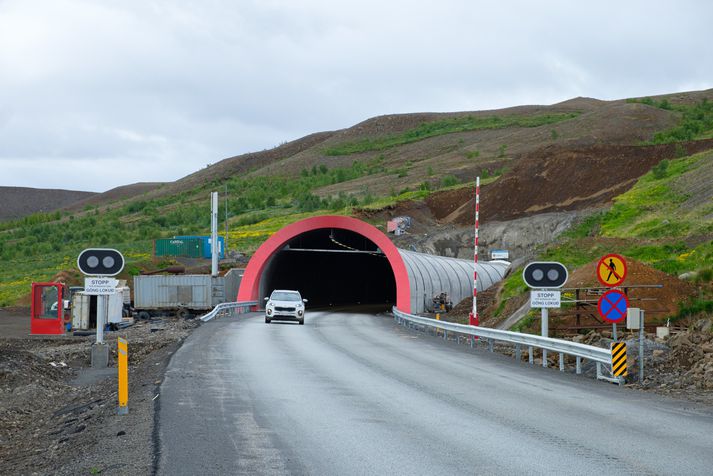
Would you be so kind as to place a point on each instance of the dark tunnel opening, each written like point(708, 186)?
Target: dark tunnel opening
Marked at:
point(332, 267)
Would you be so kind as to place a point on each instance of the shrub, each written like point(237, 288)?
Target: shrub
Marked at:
point(449, 181)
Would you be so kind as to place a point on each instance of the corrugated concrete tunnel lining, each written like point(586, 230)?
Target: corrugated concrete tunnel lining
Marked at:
point(332, 267)
point(341, 260)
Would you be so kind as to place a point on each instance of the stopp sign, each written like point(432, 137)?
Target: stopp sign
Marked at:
point(611, 270)
point(613, 305)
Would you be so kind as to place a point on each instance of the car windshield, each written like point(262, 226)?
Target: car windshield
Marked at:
point(283, 296)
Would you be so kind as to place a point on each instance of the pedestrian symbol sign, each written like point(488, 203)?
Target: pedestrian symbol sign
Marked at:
point(613, 305)
point(611, 270)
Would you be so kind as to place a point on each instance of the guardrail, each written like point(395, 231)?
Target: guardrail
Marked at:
point(602, 357)
point(227, 306)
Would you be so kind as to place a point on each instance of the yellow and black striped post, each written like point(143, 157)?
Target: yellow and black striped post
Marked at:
point(618, 359)
point(123, 351)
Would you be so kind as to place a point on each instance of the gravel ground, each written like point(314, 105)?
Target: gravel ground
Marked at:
point(59, 416)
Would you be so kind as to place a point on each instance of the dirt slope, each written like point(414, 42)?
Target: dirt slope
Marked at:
point(243, 164)
point(115, 194)
point(558, 178)
point(463, 154)
point(18, 202)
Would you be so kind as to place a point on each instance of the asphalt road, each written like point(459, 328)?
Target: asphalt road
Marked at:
point(356, 394)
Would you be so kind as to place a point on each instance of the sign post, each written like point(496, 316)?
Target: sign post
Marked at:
point(641, 346)
point(98, 264)
point(611, 272)
point(544, 277)
point(635, 320)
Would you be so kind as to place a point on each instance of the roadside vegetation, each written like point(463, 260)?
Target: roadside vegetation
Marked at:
point(696, 120)
point(657, 218)
point(38, 247)
point(447, 126)
point(657, 222)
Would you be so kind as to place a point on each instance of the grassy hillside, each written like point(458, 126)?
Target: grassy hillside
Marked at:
point(38, 247)
point(665, 220)
point(374, 164)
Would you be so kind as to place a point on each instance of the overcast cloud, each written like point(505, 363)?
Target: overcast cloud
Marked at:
point(97, 94)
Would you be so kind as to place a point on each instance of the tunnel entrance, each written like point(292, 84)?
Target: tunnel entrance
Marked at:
point(331, 267)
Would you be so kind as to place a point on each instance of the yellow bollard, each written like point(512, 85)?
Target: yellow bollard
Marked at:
point(123, 347)
point(438, 317)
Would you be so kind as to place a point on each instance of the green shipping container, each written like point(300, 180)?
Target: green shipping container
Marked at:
point(189, 247)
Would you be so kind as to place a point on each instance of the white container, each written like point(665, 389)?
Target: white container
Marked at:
point(116, 304)
point(662, 332)
point(80, 310)
point(192, 291)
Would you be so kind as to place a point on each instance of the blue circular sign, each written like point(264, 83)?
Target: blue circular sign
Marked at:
point(613, 305)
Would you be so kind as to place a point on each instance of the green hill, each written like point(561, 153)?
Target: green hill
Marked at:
point(385, 160)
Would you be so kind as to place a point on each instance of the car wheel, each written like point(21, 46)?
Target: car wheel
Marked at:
point(267, 320)
point(302, 322)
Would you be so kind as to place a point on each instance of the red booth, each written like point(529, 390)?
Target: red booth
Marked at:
point(47, 311)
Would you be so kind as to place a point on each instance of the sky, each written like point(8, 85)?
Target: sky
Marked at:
point(101, 93)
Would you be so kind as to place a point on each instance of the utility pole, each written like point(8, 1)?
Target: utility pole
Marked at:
point(225, 242)
point(214, 232)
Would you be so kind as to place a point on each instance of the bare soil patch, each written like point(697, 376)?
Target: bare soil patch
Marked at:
point(558, 178)
point(59, 416)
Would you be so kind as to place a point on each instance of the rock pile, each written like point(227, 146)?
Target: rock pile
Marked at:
point(689, 362)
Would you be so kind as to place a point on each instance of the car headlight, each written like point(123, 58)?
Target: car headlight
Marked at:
point(269, 310)
point(300, 312)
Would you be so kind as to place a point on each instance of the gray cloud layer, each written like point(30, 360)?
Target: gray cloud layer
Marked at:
point(99, 94)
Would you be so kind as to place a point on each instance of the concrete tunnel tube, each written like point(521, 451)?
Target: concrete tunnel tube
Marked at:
point(335, 260)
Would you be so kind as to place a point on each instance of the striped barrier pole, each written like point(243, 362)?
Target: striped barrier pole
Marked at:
point(473, 318)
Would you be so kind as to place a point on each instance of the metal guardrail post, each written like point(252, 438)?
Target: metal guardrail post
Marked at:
point(579, 351)
point(227, 308)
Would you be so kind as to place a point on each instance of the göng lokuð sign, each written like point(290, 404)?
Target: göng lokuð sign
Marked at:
point(100, 286)
point(545, 298)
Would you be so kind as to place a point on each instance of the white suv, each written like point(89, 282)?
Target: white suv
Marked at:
point(283, 305)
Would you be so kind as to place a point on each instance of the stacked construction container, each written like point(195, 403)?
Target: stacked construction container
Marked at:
point(188, 246)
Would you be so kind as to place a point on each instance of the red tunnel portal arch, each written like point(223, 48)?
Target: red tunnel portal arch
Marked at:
point(250, 284)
